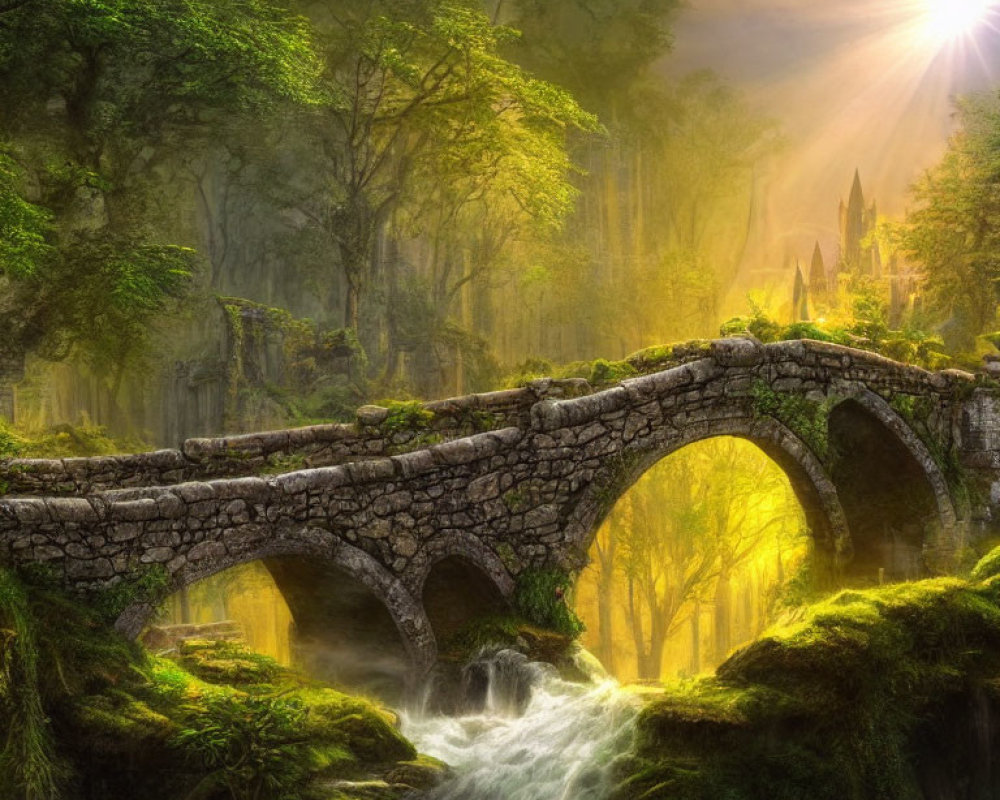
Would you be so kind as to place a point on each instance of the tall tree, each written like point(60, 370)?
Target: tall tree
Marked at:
point(418, 90)
point(666, 559)
point(98, 95)
point(954, 231)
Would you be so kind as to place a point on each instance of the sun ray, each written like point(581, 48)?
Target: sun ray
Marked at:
point(944, 21)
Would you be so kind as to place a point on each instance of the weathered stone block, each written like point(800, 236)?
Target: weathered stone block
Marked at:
point(204, 550)
point(98, 568)
point(157, 555)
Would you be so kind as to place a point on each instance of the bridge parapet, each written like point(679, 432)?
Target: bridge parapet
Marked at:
point(202, 459)
point(794, 366)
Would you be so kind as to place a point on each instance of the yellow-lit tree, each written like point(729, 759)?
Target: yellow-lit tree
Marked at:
point(696, 548)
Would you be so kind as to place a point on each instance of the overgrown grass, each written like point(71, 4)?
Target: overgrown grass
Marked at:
point(29, 768)
point(63, 441)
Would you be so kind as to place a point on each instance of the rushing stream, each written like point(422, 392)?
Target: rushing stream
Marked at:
point(533, 735)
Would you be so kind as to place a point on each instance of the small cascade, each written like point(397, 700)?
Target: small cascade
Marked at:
point(526, 734)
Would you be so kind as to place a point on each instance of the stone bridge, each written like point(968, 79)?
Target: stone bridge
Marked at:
point(414, 519)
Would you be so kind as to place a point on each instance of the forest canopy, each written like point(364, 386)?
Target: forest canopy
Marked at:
point(410, 199)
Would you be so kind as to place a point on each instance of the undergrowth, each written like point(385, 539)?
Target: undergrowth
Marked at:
point(541, 597)
point(86, 714)
point(63, 441)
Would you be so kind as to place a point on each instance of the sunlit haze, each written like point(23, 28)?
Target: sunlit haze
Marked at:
point(945, 20)
point(856, 84)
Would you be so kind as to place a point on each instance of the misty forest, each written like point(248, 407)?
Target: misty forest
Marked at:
point(499, 400)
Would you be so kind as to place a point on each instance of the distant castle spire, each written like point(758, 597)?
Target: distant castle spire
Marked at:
point(856, 223)
point(817, 273)
point(800, 296)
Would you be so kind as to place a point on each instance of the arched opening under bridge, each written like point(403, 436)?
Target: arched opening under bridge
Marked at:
point(456, 593)
point(693, 560)
point(895, 500)
point(305, 613)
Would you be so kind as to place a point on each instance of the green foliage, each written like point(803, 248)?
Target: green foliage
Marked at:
point(651, 359)
point(457, 140)
point(954, 231)
point(82, 267)
point(150, 585)
point(25, 228)
point(988, 566)
point(806, 418)
point(610, 371)
point(29, 768)
point(758, 324)
point(147, 64)
point(80, 705)
point(63, 441)
point(11, 443)
point(867, 329)
point(601, 50)
point(408, 417)
point(227, 663)
point(254, 746)
point(540, 596)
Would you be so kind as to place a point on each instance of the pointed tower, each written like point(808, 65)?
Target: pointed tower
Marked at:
point(817, 274)
point(854, 228)
point(800, 297)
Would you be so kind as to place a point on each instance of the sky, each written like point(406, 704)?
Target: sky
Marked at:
point(866, 84)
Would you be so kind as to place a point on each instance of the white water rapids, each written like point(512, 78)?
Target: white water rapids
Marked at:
point(560, 747)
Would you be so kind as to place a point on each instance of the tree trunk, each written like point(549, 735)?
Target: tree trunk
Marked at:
point(605, 624)
point(351, 305)
point(605, 595)
point(723, 616)
point(635, 623)
point(11, 373)
point(657, 641)
point(393, 350)
point(696, 638)
point(185, 604)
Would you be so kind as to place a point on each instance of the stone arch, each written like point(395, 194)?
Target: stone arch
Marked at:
point(458, 568)
point(321, 549)
point(886, 477)
point(813, 488)
point(456, 591)
point(466, 546)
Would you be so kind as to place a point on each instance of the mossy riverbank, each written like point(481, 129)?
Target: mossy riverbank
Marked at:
point(87, 715)
point(891, 693)
point(886, 693)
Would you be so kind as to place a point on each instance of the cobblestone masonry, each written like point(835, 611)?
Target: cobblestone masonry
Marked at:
point(530, 491)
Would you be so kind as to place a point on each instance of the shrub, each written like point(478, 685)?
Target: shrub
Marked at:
point(540, 596)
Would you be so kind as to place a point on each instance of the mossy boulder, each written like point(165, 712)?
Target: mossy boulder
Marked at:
point(227, 662)
point(365, 730)
point(424, 772)
point(884, 693)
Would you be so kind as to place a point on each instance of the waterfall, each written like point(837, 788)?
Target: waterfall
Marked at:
point(526, 733)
